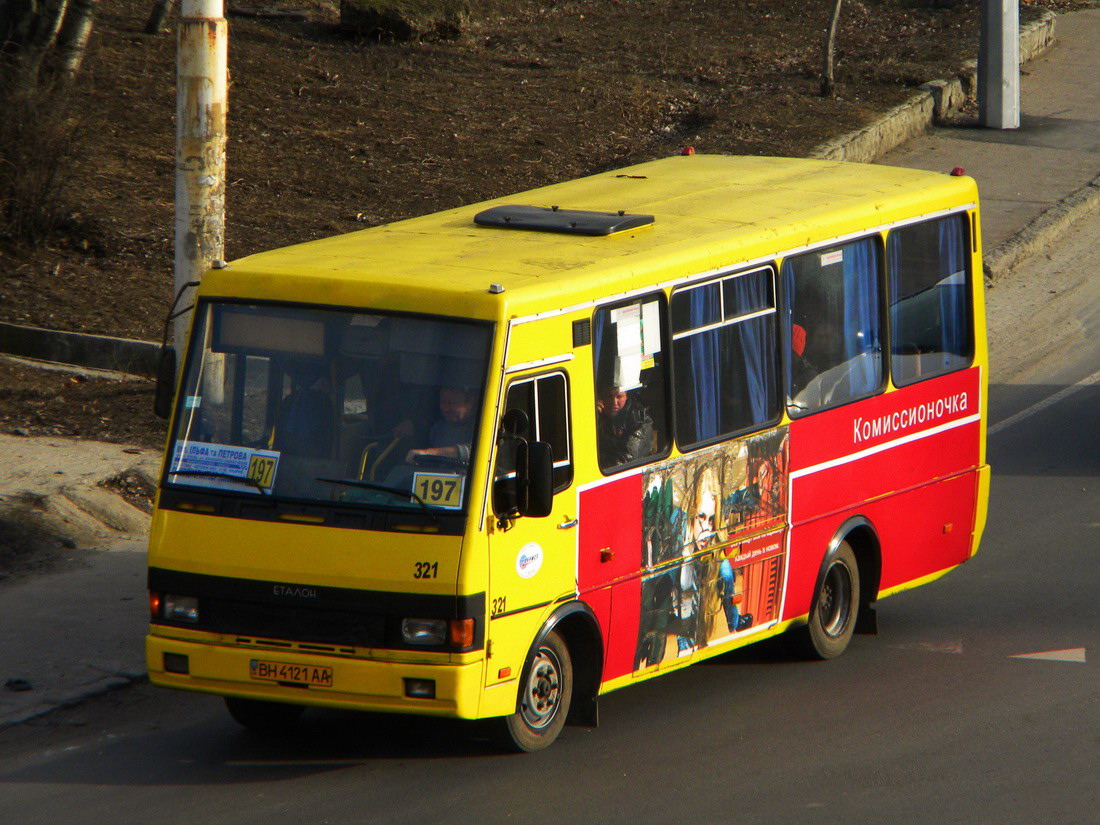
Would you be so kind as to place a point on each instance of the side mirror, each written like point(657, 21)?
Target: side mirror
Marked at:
point(165, 392)
point(534, 479)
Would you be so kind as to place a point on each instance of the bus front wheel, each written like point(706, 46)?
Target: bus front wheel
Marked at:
point(834, 607)
point(545, 694)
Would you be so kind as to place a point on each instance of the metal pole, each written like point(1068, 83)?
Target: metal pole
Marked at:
point(999, 65)
point(201, 104)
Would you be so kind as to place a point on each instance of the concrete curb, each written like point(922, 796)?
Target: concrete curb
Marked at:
point(936, 100)
point(1043, 230)
point(102, 352)
point(108, 684)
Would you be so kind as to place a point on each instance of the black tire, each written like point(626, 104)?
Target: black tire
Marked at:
point(546, 691)
point(263, 717)
point(834, 608)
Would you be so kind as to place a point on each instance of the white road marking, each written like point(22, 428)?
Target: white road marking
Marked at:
point(951, 646)
point(1073, 654)
point(1048, 402)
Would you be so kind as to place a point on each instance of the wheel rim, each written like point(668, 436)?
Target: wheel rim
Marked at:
point(542, 694)
point(834, 606)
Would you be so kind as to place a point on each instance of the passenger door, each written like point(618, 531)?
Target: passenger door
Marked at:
point(532, 561)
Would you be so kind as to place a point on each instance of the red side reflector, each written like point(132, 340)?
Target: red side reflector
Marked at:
point(958, 172)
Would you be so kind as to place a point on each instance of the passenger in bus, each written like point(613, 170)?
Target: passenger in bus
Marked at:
point(624, 428)
point(305, 422)
point(452, 434)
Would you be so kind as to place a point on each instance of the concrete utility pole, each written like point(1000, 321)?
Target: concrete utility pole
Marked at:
point(999, 65)
point(201, 104)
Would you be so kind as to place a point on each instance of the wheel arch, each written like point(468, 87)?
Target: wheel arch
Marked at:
point(579, 628)
point(862, 537)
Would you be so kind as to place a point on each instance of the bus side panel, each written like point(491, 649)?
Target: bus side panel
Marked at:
point(609, 544)
point(922, 531)
point(609, 549)
point(855, 430)
point(886, 473)
point(926, 530)
point(626, 602)
point(879, 459)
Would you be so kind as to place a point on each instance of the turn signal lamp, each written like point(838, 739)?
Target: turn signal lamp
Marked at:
point(154, 604)
point(461, 633)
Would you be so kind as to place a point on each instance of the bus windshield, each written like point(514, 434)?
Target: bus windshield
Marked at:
point(334, 406)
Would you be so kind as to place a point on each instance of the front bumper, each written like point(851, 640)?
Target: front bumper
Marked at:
point(357, 683)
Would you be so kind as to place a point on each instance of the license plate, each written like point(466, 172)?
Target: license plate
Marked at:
point(286, 672)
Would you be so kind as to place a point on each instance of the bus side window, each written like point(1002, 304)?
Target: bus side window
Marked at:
point(545, 401)
point(629, 348)
point(833, 325)
point(930, 316)
point(724, 347)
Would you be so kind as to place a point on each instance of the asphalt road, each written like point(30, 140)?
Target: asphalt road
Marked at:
point(936, 719)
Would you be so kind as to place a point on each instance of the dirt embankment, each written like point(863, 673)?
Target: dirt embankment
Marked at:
point(328, 134)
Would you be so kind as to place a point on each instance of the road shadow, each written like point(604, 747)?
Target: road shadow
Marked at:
point(1046, 132)
point(219, 752)
point(1062, 439)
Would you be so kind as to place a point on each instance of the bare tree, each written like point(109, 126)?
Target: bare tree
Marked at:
point(42, 44)
point(43, 41)
point(828, 83)
point(157, 15)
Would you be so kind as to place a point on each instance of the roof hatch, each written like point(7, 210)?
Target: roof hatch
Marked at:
point(553, 219)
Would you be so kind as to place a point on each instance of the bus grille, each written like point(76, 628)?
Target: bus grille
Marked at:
point(294, 624)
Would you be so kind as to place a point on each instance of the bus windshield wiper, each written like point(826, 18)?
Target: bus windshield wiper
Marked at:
point(228, 476)
point(369, 485)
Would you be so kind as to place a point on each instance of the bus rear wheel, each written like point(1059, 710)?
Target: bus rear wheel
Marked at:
point(263, 717)
point(834, 608)
point(545, 695)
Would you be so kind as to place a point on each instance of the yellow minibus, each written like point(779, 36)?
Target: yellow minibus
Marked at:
point(495, 462)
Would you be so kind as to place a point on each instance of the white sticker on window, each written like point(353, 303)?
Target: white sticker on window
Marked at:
point(628, 346)
point(201, 464)
point(651, 329)
point(834, 257)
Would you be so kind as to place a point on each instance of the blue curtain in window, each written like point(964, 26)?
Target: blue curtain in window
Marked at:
point(953, 311)
point(861, 328)
point(704, 305)
point(753, 292)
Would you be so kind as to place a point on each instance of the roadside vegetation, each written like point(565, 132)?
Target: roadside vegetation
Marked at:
point(339, 121)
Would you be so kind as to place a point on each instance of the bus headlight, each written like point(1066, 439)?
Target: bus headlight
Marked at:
point(180, 608)
point(424, 631)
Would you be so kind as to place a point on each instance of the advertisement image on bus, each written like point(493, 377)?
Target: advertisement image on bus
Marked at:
point(497, 462)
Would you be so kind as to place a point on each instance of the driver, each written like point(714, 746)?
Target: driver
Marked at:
point(453, 433)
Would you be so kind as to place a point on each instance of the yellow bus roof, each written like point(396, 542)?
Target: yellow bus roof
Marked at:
point(710, 211)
